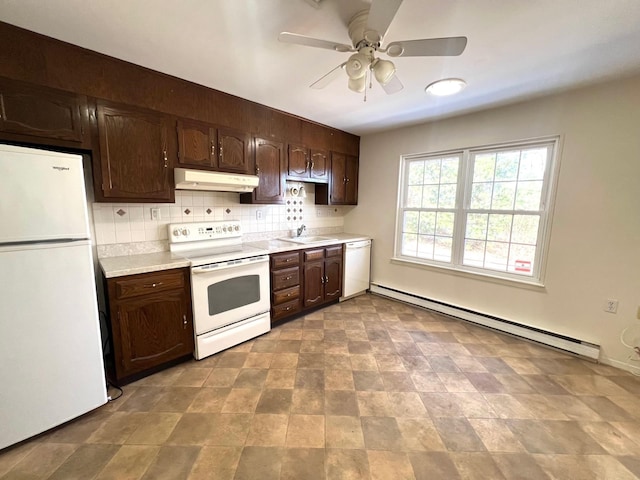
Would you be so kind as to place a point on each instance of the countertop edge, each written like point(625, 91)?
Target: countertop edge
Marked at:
point(113, 267)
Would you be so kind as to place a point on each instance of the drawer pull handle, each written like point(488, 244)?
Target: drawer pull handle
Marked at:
point(288, 259)
point(184, 321)
point(153, 285)
point(288, 277)
point(288, 308)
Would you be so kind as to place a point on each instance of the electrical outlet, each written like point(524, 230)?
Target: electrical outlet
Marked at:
point(258, 214)
point(155, 214)
point(611, 306)
point(319, 212)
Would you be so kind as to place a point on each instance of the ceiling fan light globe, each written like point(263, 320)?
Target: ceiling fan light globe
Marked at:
point(357, 65)
point(357, 84)
point(384, 70)
point(395, 50)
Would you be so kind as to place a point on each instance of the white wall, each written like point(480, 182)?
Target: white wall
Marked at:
point(594, 253)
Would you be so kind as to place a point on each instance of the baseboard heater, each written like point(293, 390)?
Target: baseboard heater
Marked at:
point(562, 342)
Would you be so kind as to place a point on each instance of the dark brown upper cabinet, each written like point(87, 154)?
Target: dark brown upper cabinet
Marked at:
point(308, 165)
point(234, 151)
point(135, 155)
point(42, 115)
point(197, 144)
point(343, 182)
point(270, 168)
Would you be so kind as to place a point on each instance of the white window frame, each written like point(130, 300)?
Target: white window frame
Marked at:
point(462, 208)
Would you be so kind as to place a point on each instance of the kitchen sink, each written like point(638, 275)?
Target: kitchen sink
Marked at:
point(309, 239)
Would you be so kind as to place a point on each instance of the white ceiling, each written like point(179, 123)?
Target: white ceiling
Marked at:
point(517, 49)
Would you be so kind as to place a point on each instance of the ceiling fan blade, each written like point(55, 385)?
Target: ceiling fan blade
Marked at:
point(296, 39)
point(393, 86)
point(328, 78)
point(380, 17)
point(427, 47)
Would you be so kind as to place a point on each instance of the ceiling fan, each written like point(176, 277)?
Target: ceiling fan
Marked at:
point(367, 30)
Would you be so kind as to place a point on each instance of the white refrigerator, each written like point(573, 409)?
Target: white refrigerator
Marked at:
point(51, 363)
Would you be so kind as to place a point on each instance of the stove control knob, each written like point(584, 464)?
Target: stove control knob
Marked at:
point(237, 228)
point(176, 233)
point(185, 231)
point(224, 229)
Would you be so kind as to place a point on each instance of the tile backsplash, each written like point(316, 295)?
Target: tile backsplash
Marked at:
point(123, 229)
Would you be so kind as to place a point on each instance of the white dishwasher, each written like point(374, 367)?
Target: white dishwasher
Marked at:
point(357, 268)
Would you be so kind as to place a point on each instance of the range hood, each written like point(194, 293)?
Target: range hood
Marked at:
point(190, 179)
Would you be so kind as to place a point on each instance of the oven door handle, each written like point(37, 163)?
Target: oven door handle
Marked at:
point(216, 267)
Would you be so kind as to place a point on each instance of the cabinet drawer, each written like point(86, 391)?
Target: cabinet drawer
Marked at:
point(335, 251)
point(288, 259)
point(317, 254)
point(285, 309)
point(147, 284)
point(283, 296)
point(285, 278)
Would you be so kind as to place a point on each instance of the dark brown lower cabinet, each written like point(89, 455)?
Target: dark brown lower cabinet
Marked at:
point(151, 321)
point(305, 279)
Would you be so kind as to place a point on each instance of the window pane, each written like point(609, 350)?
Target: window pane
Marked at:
point(496, 256)
point(449, 172)
point(532, 164)
point(503, 195)
point(499, 227)
point(430, 196)
point(521, 259)
point(432, 172)
point(481, 195)
point(477, 226)
point(528, 195)
point(507, 165)
point(473, 253)
point(444, 223)
point(409, 244)
point(410, 223)
point(525, 229)
point(483, 167)
point(442, 250)
point(414, 197)
point(416, 173)
point(447, 197)
point(427, 223)
point(425, 246)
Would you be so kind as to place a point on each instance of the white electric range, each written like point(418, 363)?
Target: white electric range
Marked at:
point(229, 284)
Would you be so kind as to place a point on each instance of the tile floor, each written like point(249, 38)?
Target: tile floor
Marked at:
point(367, 389)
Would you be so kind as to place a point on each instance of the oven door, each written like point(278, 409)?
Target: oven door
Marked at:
point(228, 292)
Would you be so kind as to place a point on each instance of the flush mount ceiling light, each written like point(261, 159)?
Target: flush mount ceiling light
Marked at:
point(447, 86)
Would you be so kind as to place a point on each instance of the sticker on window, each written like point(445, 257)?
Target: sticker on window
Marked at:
point(523, 266)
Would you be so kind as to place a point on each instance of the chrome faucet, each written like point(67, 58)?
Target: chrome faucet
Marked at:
point(301, 229)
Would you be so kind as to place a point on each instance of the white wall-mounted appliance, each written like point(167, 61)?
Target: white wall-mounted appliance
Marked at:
point(51, 364)
point(229, 284)
point(191, 179)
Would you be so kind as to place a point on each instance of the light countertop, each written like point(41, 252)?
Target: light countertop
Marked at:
point(154, 262)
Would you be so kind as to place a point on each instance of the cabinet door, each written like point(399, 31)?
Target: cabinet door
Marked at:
point(197, 144)
point(319, 168)
point(152, 330)
point(313, 283)
point(338, 179)
point(42, 112)
point(351, 176)
point(134, 155)
point(270, 168)
point(333, 278)
point(234, 151)
point(297, 162)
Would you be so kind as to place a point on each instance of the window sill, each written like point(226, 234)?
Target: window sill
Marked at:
point(511, 282)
